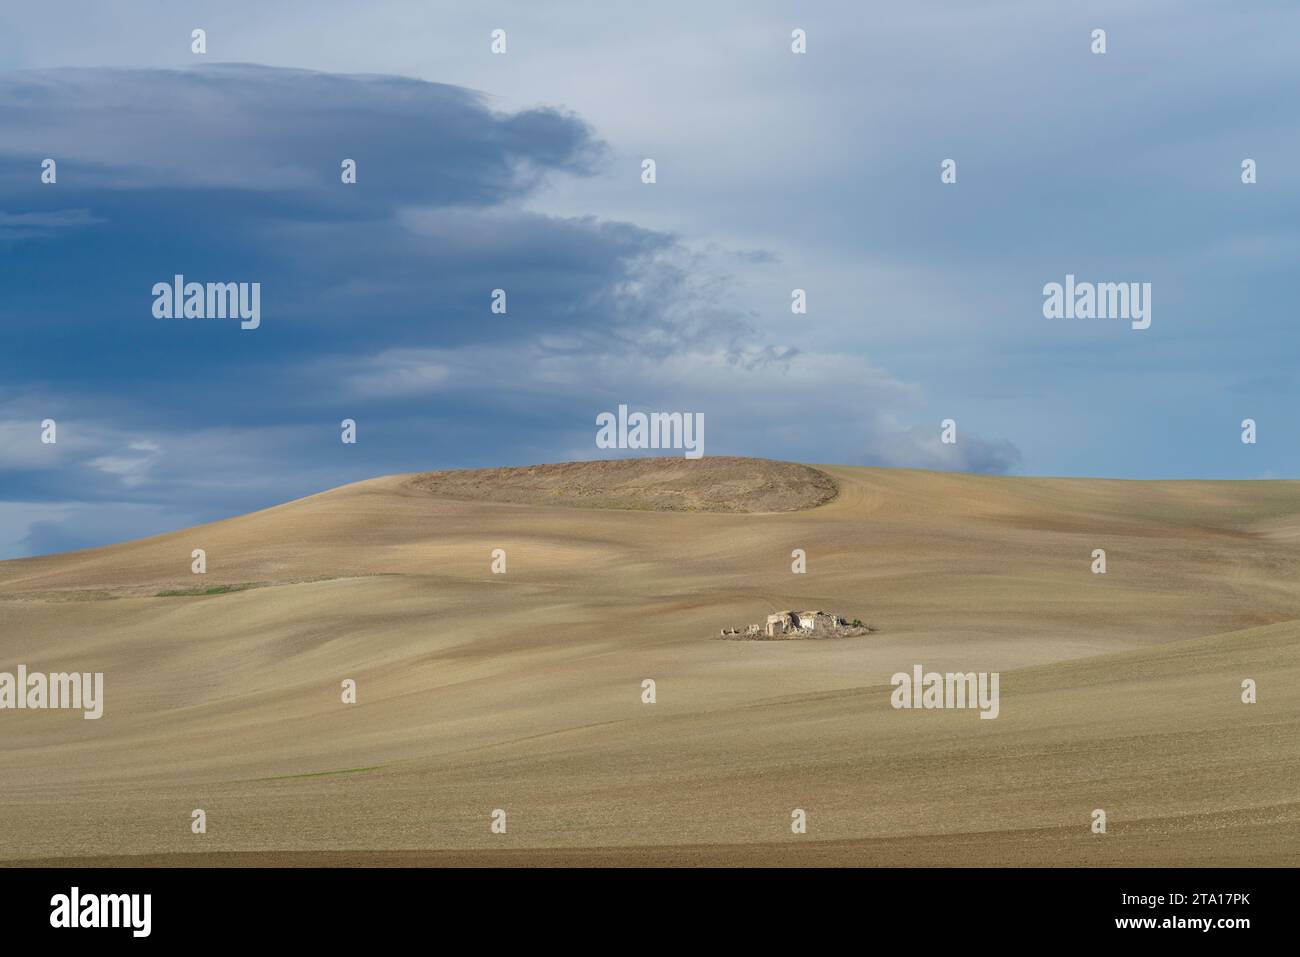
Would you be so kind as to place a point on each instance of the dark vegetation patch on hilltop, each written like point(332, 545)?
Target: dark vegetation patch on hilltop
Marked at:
point(710, 484)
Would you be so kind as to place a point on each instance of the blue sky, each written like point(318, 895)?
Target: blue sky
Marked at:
point(522, 172)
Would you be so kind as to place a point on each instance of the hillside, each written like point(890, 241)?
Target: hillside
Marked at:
point(522, 690)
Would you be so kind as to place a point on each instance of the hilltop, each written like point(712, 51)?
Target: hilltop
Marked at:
point(717, 484)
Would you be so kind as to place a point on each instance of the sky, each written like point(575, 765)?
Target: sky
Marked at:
point(522, 171)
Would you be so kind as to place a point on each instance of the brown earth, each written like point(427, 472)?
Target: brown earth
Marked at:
point(522, 691)
point(720, 484)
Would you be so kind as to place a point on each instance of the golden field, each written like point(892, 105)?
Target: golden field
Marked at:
point(522, 691)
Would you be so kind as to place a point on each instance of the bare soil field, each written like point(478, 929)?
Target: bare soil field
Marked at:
point(522, 691)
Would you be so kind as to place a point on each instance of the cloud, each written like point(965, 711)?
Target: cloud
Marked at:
point(133, 465)
point(397, 373)
point(922, 449)
point(285, 132)
point(27, 225)
point(42, 528)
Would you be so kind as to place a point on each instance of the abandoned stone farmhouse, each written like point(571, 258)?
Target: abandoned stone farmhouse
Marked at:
point(784, 622)
point(799, 624)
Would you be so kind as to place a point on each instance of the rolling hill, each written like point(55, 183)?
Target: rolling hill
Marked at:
point(523, 691)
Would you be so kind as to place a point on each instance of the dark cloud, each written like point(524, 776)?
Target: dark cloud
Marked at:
point(283, 132)
point(232, 173)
